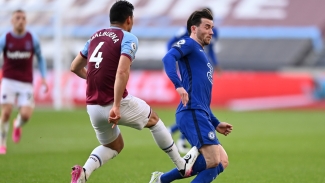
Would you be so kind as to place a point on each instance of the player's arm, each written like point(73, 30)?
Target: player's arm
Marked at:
point(2, 42)
point(122, 77)
point(79, 63)
point(78, 66)
point(40, 61)
point(214, 120)
point(169, 60)
point(221, 127)
point(129, 47)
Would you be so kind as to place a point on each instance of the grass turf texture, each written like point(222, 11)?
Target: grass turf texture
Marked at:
point(284, 146)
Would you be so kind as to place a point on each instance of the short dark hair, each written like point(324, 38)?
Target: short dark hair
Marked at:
point(120, 11)
point(195, 18)
point(18, 11)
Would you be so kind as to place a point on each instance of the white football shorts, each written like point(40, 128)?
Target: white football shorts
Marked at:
point(13, 91)
point(135, 113)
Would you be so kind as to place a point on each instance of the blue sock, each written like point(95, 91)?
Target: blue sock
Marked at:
point(174, 128)
point(208, 175)
point(172, 175)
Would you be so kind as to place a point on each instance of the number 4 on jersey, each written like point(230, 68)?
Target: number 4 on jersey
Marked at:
point(98, 58)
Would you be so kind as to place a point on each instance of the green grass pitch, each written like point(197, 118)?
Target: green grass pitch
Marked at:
point(284, 146)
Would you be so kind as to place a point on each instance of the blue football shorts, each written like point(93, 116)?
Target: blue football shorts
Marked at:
point(196, 126)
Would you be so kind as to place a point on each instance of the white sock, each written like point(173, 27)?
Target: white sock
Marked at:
point(4, 128)
point(98, 157)
point(19, 122)
point(165, 141)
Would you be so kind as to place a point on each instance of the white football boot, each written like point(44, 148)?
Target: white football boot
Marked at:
point(190, 159)
point(155, 177)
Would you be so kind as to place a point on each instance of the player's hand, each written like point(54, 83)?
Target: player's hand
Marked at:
point(224, 128)
point(184, 95)
point(114, 116)
point(44, 84)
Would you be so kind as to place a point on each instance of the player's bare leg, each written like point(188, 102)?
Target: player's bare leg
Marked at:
point(6, 110)
point(25, 112)
point(165, 141)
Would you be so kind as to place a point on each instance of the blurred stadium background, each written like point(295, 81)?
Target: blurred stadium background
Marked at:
point(272, 54)
point(270, 51)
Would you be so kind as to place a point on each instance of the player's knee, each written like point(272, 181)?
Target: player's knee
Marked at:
point(117, 144)
point(225, 162)
point(212, 161)
point(25, 116)
point(153, 119)
point(5, 115)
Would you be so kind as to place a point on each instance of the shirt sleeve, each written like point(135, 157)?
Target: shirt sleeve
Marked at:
point(129, 45)
point(214, 120)
point(84, 51)
point(40, 59)
point(179, 50)
point(2, 42)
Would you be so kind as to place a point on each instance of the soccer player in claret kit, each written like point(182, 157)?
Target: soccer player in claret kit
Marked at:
point(194, 116)
point(19, 47)
point(108, 56)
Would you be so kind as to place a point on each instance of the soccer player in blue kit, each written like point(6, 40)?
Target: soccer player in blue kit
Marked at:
point(108, 55)
point(194, 116)
point(182, 33)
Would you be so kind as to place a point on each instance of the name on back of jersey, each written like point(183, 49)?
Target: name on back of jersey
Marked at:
point(112, 35)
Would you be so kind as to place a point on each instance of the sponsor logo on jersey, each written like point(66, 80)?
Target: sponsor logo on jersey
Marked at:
point(210, 73)
point(133, 46)
point(19, 54)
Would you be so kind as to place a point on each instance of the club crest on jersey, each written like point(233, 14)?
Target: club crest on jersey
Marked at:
point(28, 45)
point(179, 43)
point(211, 135)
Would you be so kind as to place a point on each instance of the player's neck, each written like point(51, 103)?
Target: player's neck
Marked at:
point(19, 32)
point(197, 40)
point(119, 26)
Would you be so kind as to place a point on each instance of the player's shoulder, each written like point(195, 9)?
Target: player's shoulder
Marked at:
point(128, 36)
point(186, 42)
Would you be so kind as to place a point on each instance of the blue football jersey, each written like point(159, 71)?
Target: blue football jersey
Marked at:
point(196, 72)
point(209, 49)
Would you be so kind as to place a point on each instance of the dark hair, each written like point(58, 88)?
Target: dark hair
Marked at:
point(120, 11)
point(196, 16)
point(18, 11)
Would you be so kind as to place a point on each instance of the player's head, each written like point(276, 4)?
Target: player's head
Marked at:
point(18, 21)
point(121, 14)
point(199, 26)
